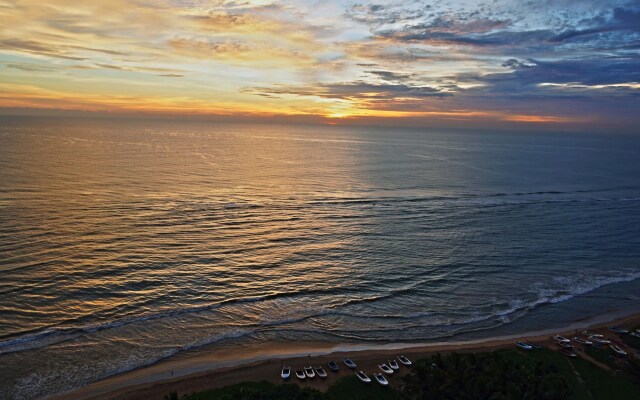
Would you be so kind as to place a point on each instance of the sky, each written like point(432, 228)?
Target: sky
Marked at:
point(561, 64)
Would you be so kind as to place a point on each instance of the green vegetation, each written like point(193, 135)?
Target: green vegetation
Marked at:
point(351, 388)
point(256, 391)
point(497, 375)
point(603, 355)
point(604, 385)
point(560, 361)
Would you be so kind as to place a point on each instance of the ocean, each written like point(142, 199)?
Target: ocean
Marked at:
point(127, 243)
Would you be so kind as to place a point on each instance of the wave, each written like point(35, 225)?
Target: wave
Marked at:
point(36, 385)
point(568, 288)
point(555, 196)
point(14, 344)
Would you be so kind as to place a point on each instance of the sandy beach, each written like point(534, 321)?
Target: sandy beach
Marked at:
point(155, 381)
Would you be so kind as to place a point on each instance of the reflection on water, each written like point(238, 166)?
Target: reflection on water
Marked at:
point(124, 243)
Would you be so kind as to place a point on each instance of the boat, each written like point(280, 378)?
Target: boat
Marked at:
point(618, 350)
point(349, 363)
point(321, 372)
point(363, 377)
point(533, 345)
point(333, 366)
point(309, 372)
point(568, 353)
point(385, 368)
point(524, 346)
point(591, 334)
point(619, 331)
point(381, 379)
point(286, 373)
point(599, 340)
point(582, 341)
point(394, 364)
point(559, 338)
point(300, 374)
point(636, 334)
point(404, 360)
point(566, 345)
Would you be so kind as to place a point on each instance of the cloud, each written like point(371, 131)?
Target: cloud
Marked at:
point(523, 62)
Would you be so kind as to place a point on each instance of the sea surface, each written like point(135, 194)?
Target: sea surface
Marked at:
point(125, 243)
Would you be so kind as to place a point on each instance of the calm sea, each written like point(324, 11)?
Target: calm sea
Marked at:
point(126, 243)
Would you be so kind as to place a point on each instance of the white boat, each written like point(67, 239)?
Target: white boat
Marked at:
point(381, 379)
point(363, 377)
point(566, 345)
point(618, 350)
point(524, 346)
point(582, 341)
point(619, 331)
point(321, 372)
point(309, 372)
point(559, 338)
point(568, 353)
point(599, 340)
point(394, 364)
point(587, 333)
point(636, 334)
point(300, 374)
point(349, 363)
point(286, 373)
point(404, 360)
point(385, 368)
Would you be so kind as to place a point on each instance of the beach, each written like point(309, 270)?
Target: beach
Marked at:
point(148, 383)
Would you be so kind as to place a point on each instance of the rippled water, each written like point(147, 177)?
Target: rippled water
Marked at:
point(124, 243)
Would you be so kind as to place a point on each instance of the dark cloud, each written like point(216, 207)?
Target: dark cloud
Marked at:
point(358, 91)
point(29, 67)
point(37, 48)
point(512, 63)
point(389, 75)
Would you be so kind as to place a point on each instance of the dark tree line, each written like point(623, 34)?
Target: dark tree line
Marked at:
point(484, 376)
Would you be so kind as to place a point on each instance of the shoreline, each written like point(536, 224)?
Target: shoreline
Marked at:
point(202, 372)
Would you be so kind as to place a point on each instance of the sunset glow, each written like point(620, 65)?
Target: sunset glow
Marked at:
point(439, 63)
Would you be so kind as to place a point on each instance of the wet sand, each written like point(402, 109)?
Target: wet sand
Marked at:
point(158, 380)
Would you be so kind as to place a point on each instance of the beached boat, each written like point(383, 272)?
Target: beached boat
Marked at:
point(363, 377)
point(559, 338)
point(385, 368)
point(636, 334)
point(321, 372)
point(300, 374)
point(349, 363)
point(381, 379)
point(535, 346)
point(599, 340)
point(618, 350)
point(286, 372)
point(524, 346)
point(333, 366)
point(568, 353)
point(404, 360)
point(619, 331)
point(591, 334)
point(582, 341)
point(566, 345)
point(394, 364)
point(309, 372)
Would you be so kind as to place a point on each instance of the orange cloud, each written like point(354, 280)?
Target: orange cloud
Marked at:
point(542, 119)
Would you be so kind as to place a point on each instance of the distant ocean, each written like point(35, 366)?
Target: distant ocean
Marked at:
point(125, 243)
